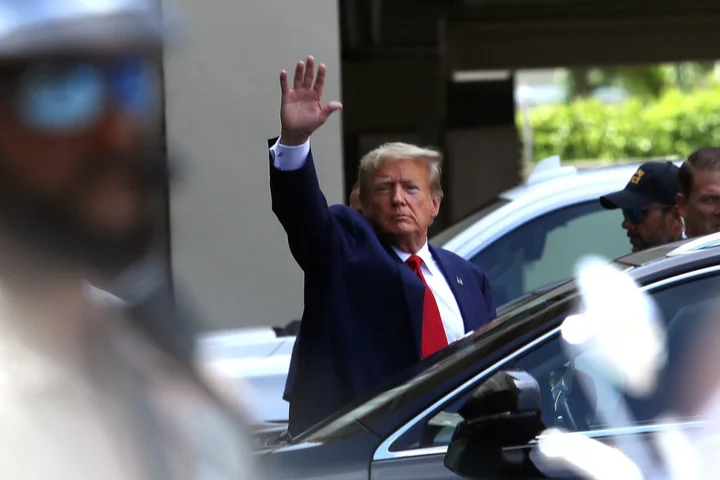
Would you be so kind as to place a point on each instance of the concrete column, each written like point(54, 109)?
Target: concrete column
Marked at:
point(223, 98)
point(481, 144)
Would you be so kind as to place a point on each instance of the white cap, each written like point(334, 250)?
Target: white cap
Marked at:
point(47, 27)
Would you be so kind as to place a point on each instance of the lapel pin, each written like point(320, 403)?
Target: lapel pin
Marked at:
point(459, 280)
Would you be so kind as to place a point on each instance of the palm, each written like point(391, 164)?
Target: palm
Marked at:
point(302, 111)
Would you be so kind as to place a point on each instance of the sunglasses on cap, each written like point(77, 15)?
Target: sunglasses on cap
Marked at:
point(637, 215)
point(69, 96)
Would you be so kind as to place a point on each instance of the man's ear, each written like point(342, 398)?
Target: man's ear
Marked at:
point(674, 223)
point(436, 200)
point(681, 204)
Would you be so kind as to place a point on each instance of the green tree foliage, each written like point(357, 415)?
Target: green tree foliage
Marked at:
point(646, 81)
point(674, 123)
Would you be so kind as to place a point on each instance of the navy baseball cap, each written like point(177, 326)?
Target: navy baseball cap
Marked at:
point(652, 182)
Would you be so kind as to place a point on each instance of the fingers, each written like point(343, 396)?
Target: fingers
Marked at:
point(297, 81)
point(309, 72)
point(304, 76)
point(330, 108)
point(283, 82)
point(320, 80)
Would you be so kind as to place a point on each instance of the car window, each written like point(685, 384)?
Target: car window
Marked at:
point(453, 231)
point(685, 309)
point(545, 250)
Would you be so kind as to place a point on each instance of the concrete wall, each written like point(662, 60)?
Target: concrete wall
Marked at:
point(228, 250)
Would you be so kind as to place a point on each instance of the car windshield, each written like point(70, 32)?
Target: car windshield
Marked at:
point(451, 232)
point(457, 359)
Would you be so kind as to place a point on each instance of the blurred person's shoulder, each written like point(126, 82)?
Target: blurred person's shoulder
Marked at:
point(55, 420)
point(208, 428)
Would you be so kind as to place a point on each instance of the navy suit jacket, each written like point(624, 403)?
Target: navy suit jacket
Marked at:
point(363, 306)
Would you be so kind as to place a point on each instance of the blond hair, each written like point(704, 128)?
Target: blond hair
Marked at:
point(397, 151)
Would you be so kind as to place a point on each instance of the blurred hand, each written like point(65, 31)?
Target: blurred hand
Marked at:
point(302, 112)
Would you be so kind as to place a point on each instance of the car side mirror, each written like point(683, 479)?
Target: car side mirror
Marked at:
point(503, 412)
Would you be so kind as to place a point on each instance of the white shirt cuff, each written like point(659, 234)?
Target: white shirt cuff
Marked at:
point(289, 158)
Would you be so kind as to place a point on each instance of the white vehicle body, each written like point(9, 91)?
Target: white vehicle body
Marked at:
point(256, 360)
point(549, 188)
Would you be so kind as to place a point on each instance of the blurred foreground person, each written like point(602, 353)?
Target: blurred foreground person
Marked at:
point(650, 215)
point(86, 394)
point(699, 196)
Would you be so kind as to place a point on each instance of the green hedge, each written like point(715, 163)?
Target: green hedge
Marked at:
point(675, 124)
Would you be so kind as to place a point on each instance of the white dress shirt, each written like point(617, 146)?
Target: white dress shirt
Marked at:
point(292, 158)
point(444, 297)
point(289, 158)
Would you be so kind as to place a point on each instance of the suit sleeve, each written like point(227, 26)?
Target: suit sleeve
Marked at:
point(314, 236)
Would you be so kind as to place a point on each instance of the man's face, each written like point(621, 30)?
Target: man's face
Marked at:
point(399, 201)
point(702, 209)
point(89, 185)
point(651, 226)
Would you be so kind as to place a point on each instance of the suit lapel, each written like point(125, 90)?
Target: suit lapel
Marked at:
point(455, 281)
point(414, 296)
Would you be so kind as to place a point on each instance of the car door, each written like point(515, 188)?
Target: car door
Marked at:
point(545, 249)
point(417, 450)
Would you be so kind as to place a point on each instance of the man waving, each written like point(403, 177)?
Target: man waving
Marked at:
point(378, 297)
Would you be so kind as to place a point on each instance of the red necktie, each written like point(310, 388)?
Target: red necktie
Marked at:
point(433, 332)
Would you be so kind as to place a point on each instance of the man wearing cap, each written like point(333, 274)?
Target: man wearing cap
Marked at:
point(648, 205)
point(89, 390)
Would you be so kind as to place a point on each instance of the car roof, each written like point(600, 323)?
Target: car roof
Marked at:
point(675, 258)
point(550, 175)
point(569, 179)
point(552, 187)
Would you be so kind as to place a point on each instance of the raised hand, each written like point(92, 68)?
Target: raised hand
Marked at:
point(302, 112)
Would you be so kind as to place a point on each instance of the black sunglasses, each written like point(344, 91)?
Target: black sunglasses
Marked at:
point(637, 215)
